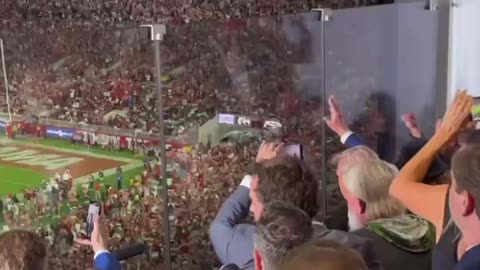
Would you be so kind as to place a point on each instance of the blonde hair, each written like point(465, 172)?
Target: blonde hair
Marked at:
point(370, 181)
point(352, 157)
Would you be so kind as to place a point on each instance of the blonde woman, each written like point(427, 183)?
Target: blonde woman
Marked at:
point(430, 202)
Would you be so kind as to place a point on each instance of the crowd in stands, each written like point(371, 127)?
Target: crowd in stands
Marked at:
point(66, 61)
point(418, 213)
point(397, 219)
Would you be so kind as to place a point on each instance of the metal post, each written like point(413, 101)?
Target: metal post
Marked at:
point(324, 16)
point(431, 5)
point(7, 96)
point(156, 35)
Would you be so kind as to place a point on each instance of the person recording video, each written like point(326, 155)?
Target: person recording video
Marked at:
point(103, 259)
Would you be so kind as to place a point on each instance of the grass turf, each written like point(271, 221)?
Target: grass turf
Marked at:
point(15, 179)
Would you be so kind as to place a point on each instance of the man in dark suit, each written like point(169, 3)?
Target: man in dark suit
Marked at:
point(275, 178)
point(350, 139)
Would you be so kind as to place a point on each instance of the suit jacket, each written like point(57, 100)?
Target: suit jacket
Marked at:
point(233, 240)
point(395, 258)
point(470, 260)
point(354, 140)
point(106, 261)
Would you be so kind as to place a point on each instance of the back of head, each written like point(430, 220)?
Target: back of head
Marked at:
point(351, 157)
point(287, 179)
point(466, 167)
point(370, 182)
point(323, 255)
point(281, 229)
point(22, 250)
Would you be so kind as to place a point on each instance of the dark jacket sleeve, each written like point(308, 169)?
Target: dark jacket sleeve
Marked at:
point(106, 261)
point(363, 246)
point(354, 140)
point(231, 239)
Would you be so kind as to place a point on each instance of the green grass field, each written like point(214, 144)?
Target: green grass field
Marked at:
point(31, 178)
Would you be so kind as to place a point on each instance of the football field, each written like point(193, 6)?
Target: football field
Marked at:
point(24, 163)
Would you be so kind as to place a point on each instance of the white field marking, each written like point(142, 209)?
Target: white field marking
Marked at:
point(54, 148)
point(131, 163)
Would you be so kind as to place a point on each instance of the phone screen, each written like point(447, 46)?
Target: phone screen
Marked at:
point(294, 150)
point(93, 213)
point(476, 109)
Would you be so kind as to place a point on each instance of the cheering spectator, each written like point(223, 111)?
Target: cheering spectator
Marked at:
point(22, 250)
point(104, 260)
point(280, 229)
point(430, 202)
point(374, 214)
point(437, 169)
point(324, 255)
point(275, 178)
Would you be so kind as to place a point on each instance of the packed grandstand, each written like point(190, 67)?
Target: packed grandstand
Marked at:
point(95, 88)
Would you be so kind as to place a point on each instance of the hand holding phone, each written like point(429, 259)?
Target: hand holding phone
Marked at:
point(94, 210)
point(294, 150)
point(476, 109)
point(97, 236)
point(268, 151)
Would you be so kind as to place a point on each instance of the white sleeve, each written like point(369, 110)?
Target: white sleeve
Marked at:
point(247, 181)
point(345, 136)
point(99, 252)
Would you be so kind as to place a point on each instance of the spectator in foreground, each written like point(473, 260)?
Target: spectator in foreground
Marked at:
point(323, 255)
point(22, 250)
point(103, 259)
point(430, 202)
point(437, 169)
point(280, 178)
point(280, 229)
point(402, 241)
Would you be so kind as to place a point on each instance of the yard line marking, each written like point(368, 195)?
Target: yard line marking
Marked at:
point(77, 152)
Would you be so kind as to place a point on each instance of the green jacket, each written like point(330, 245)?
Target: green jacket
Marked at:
point(408, 232)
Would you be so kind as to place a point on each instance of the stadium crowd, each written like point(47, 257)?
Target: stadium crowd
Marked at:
point(387, 225)
point(105, 77)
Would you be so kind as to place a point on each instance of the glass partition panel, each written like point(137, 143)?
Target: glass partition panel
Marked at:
point(83, 131)
point(228, 86)
point(382, 62)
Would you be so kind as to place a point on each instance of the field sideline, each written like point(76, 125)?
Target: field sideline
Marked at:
point(25, 163)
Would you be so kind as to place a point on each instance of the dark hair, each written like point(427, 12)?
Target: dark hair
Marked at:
point(22, 250)
point(325, 255)
point(281, 228)
point(466, 168)
point(286, 179)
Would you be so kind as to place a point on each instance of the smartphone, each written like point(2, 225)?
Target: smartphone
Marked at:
point(94, 210)
point(294, 150)
point(476, 109)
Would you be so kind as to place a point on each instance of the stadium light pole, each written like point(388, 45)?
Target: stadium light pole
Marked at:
point(7, 96)
point(156, 33)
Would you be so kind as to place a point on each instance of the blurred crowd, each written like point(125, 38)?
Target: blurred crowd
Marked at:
point(198, 183)
point(401, 215)
point(83, 63)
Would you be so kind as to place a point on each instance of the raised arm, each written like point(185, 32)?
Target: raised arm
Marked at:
point(337, 124)
point(231, 238)
point(424, 200)
point(226, 230)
